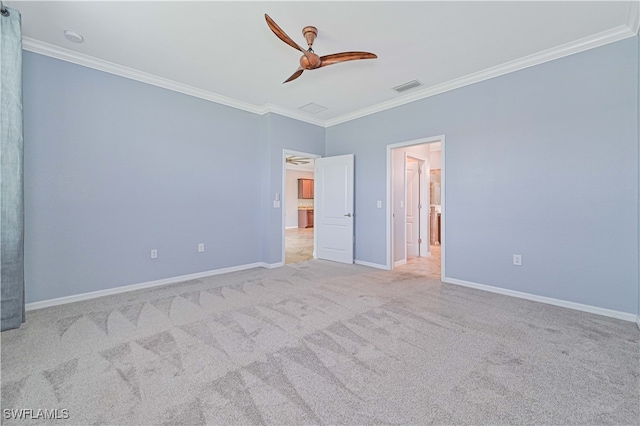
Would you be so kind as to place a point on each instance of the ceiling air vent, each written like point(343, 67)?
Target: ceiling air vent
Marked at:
point(407, 86)
point(312, 108)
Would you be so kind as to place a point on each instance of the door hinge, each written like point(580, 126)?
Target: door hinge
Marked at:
point(419, 170)
point(419, 240)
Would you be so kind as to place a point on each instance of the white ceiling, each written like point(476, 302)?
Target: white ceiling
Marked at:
point(224, 51)
point(301, 167)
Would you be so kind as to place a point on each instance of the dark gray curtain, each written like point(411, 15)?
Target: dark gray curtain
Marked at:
point(11, 152)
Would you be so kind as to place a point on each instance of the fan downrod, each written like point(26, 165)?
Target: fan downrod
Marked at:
point(310, 33)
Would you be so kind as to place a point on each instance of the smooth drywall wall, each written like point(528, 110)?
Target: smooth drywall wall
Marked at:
point(114, 168)
point(283, 133)
point(524, 175)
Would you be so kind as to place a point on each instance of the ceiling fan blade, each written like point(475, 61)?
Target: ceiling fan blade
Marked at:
point(295, 75)
point(281, 34)
point(297, 160)
point(345, 56)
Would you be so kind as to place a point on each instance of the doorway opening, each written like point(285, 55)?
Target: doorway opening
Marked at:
point(415, 217)
point(298, 209)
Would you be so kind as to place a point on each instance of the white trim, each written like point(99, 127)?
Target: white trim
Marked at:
point(543, 299)
point(400, 262)
point(149, 284)
point(122, 71)
point(443, 222)
point(421, 212)
point(271, 265)
point(371, 264)
point(296, 115)
point(389, 234)
point(57, 52)
point(633, 17)
point(609, 36)
point(404, 209)
point(290, 227)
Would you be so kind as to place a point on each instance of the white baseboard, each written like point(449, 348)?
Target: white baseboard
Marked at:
point(370, 264)
point(290, 227)
point(400, 262)
point(638, 321)
point(149, 284)
point(548, 300)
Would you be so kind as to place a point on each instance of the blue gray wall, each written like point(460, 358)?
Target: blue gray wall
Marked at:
point(283, 133)
point(542, 162)
point(114, 168)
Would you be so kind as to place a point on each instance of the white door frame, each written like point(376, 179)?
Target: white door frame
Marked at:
point(421, 212)
point(390, 147)
point(285, 153)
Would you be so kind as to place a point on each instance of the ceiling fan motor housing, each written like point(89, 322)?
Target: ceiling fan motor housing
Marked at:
point(310, 61)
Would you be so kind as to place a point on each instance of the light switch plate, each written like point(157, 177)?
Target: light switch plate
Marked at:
point(276, 204)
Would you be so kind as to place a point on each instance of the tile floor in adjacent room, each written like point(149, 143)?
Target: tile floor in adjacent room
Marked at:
point(428, 265)
point(298, 245)
point(299, 248)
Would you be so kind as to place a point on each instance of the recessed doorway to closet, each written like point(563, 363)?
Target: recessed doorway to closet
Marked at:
point(416, 206)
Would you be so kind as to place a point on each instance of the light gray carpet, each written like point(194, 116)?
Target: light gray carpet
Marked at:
point(321, 343)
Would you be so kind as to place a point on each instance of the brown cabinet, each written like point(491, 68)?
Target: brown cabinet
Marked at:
point(305, 188)
point(305, 218)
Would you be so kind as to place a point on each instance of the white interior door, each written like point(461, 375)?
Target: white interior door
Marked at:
point(425, 203)
point(413, 215)
point(334, 208)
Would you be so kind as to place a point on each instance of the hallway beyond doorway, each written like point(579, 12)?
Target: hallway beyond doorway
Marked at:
point(428, 266)
point(298, 245)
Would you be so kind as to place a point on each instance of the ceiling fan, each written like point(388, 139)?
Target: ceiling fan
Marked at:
point(309, 60)
point(292, 159)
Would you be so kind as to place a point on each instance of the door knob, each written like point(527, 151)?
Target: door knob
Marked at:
point(348, 215)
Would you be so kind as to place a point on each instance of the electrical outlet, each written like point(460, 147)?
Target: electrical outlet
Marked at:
point(154, 254)
point(200, 247)
point(517, 260)
point(379, 204)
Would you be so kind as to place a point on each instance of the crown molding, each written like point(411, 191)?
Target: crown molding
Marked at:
point(633, 17)
point(53, 51)
point(57, 52)
point(296, 115)
point(590, 42)
point(610, 36)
